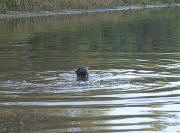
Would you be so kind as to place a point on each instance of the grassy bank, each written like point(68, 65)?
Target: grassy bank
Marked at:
point(50, 5)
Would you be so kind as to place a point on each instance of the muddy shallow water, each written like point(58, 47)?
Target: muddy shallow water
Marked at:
point(133, 58)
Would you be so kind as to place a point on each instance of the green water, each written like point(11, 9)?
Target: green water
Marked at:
point(133, 59)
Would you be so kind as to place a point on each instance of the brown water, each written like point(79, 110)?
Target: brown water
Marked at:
point(133, 58)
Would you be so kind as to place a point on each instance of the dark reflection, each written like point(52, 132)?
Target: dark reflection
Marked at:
point(133, 57)
point(47, 39)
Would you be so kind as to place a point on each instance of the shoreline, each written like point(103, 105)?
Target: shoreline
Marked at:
point(18, 14)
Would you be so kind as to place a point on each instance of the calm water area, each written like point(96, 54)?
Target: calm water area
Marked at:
point(134, 64)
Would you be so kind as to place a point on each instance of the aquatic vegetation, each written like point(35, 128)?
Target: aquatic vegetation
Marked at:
point(49, 5)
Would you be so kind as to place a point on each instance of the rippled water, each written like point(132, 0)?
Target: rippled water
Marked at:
point(133, 59)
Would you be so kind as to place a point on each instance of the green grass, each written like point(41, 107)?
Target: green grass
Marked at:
point(51, 5)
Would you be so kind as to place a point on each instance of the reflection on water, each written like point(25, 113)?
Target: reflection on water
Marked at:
point(133, 58)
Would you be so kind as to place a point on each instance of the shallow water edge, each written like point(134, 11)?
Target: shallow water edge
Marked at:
point(18, 14)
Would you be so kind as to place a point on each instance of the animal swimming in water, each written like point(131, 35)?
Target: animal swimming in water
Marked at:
point(82, 74)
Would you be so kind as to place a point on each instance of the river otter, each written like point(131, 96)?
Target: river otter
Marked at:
point(82, 74)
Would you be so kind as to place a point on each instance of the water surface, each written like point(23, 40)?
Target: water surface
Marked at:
point(133, 57)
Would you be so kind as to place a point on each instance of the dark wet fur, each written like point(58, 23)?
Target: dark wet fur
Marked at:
point(82, 74)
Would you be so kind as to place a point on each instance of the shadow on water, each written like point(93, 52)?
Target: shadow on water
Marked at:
point(133, 58)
